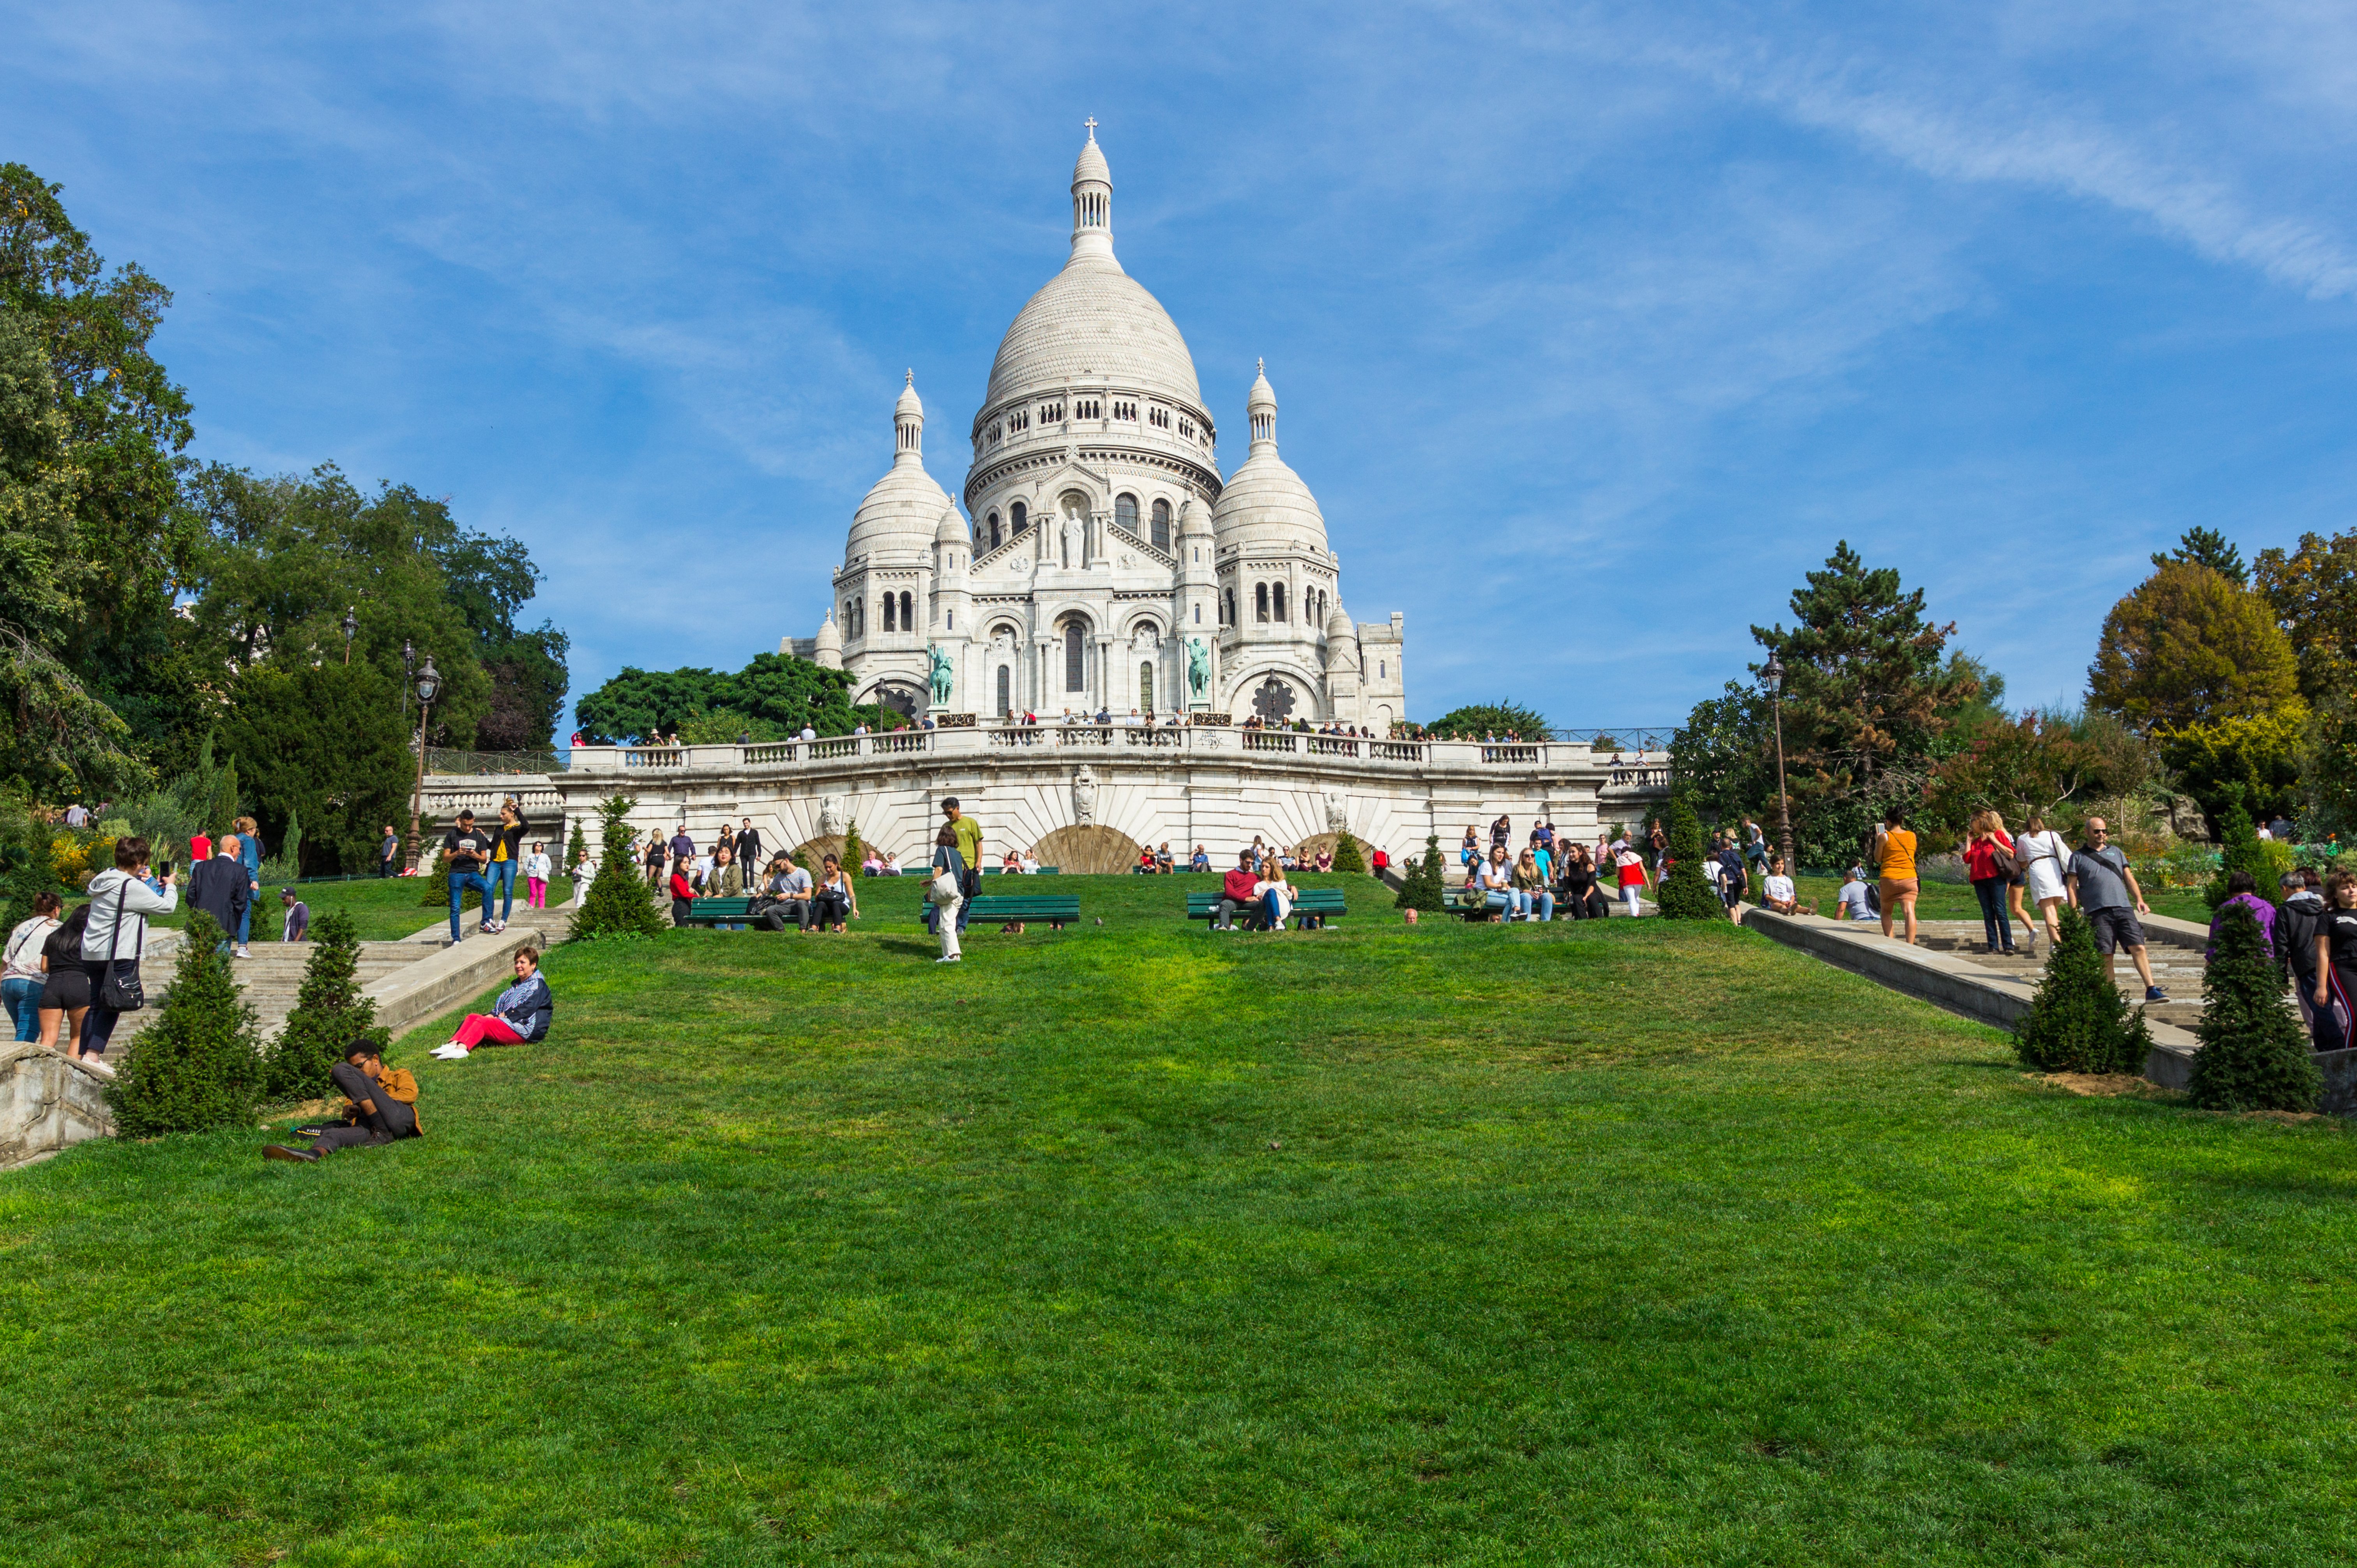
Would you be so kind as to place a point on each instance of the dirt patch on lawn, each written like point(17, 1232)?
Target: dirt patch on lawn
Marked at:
point(2104, 1084)
point(2288, 1118)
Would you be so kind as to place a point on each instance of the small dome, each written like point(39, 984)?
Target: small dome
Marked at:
point(1194, 520)
point(953, 530)
point(828, 637)
point(909, 406)
point(1091, 168)
point(1339, 627)
point(1266, 503)
point(899, 511)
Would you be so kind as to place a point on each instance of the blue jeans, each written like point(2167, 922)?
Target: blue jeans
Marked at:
point(24, 1000)
point(503, 882)
point(1539, 906)
point(460, 882)
point(245, 917)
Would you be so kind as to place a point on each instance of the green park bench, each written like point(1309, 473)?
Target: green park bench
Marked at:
point(1324, 902)
point(719, 912)
point(1054, 908)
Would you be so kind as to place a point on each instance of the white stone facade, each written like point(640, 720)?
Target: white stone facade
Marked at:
point(1101, 562)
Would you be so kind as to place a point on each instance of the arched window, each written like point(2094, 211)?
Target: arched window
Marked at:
point(1161, 540)
point(993, 531)
point(1075, 657)
point(1145, 687)
point(891, 604)
point(1259, 601)
point(1005, 690)
point(908, 613)
point(1276, 599)
point(1382, 667)
point(1232, 608)
point(1199, 615)
point(1125, 513)
point(1016, 511)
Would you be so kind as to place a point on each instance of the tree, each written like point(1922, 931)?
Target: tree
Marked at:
point(1346, 854)
point(324, 743)
point(2253, 1056)
point(1867, 693)
point(619, 906)
point(28, 866)
point(330, 1012)
point(1724, 755)
point(2208, 547)
point(199, 1065)
point(1685, 893)
point(577, 850)
point(851, 855)
point(2189, 647)
point(2239, 849)
point(2078, 1021)
point(2328, 764)
point(1422, 887)
point(1486, 719)
point(2313, 592)
point(772, 698)
point(2255, 756)
point(2038, 762)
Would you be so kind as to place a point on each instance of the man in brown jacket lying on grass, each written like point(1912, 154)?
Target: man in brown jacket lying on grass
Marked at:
point(380, 1106)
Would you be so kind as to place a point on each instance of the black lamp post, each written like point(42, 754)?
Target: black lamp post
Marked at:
point(408, 666)
point(352, 626)
point(429, 682)
point(1774, 677)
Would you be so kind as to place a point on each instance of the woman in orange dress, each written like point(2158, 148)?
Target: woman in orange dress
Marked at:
point(1894, 859)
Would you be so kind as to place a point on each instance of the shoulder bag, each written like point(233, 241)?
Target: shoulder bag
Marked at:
point(2004, 862)
point(118, 992)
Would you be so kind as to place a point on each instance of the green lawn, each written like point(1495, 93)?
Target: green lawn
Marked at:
point(385, 910)
point(1598, 1242)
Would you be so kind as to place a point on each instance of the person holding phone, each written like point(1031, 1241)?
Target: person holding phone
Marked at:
point(121, 898)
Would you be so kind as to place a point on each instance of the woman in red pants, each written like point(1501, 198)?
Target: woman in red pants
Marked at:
point(521, 1015)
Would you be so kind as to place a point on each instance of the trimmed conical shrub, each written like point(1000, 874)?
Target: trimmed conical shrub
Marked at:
point(1346, 854)
point(1422, 888)
point(199, 1065)
point(2255, 1055)
point(2078, 1021)
point(620, 905)
point(577, 851)
point(1685, 894)
point(2239, 849)
point(329, 1013)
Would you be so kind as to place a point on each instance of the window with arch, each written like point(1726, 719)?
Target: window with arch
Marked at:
point(1259, 601)
point(1161, 538)
point(1005, 690)
point(1016, 511)
point(1230, 599)
point(908, 612)
point(949, 621)
point(1075, 657)
point(891, 622)
point(1276, 599)
point(1125, 513)
point(1382, 668)
point(993, 526)
point(1199, 615)
point(1145, 687)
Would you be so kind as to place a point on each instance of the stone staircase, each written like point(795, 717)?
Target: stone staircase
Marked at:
point(2177, 968)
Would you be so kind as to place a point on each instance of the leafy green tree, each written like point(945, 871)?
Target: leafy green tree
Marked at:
point(619, 905)
point(1423, 887)
point(2036, 762)
point(1499, 718)
point(330, 1012)
point(2078, 1021)
point(2328, 766)
point(2313, 590)
point(2191, 646)
point(1346, 854)
point(2253, 1056)
point(199, 1065)
point(1724, 755)
point(324, 743)
point(2255, 756)
point(2208, 547)
point(28, 868)
point(1685, 894)
point(771, 698)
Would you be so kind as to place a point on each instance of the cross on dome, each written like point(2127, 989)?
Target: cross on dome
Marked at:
point(1091, 122)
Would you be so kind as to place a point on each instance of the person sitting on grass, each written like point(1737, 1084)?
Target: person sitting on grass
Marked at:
point(520, 1016)
point(1779, 893)
point(379, 1107)
point(1239, 889)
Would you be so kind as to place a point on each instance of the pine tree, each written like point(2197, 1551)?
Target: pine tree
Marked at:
point(619, 905)
point(2238, 850)
point(1422, 888)
point(1685, 894)
point(575, 852)
point(329, 1013)
point(851, 848)
point(1346, 855)
point(222, 811)
point(199, 1065)
point(2078, 1021)
point(2253, 1056)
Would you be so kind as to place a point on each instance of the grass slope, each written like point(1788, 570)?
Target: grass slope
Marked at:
point(384, 909)
point(1598, 1242)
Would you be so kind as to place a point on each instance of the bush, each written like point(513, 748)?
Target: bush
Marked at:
point(199, 1065)
point(1346, 854)
point(1422, 887)
point(2240, 849)
point(1685, 894)
point(576, 852)
point(2078, 1021)
point(2254, 1055)
point(329, 1013)
point(620, 905)
point(852, 854)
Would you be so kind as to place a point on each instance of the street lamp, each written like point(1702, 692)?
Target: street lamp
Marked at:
point(408, 665)
point(1774, 677)
point(429, 682)
point(351, 625)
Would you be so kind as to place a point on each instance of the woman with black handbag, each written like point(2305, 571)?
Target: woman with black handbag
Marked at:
point(121, 899)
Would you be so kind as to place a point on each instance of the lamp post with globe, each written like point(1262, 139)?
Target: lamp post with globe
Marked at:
point(351, 626)
point(1773, 678)
point(429, 682)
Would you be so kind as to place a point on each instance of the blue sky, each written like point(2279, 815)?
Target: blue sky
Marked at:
point(1593, 326)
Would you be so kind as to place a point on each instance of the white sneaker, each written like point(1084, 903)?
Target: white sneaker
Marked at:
point(243, 952)
point(450, 1050)
point(953, 959)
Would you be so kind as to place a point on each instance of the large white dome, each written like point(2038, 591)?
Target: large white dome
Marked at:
point(1093, 323)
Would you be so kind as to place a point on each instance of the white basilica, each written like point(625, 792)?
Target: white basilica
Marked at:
point(1106, 565)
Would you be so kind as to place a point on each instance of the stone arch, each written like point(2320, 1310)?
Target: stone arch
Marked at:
point(1095, 851)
